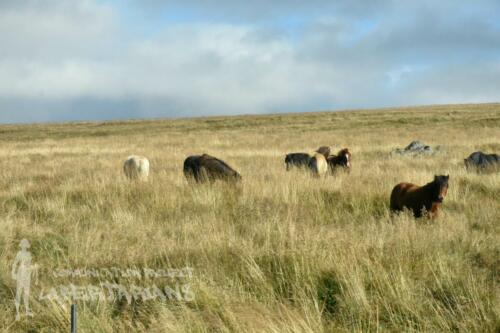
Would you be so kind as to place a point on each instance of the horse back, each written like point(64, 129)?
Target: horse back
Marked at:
point(297, 159)
point(216, 168)
point(400, 195)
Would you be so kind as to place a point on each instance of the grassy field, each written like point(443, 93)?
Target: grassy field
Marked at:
point(285, 253)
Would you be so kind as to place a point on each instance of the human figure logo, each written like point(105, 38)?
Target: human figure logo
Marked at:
point(22, 269)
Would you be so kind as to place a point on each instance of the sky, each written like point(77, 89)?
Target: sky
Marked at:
point(108, 59)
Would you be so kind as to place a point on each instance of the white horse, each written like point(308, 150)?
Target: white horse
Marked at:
point(136, 167)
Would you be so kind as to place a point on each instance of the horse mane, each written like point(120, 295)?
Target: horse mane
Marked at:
point(431, 186)
point(435, 185)
point(343, 152)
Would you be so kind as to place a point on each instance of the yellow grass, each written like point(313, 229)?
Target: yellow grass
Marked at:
point(285, 253)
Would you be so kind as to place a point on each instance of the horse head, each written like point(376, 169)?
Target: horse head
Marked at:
point(345, 156)
point(440, 188)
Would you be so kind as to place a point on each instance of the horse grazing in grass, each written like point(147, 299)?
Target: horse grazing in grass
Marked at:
point(191, 167)
point(318, 164)
point(416, 198)
point(208, 168)
point(480, 161)
point(136, 167)
point(341, 160)
point(299, 160)
point(303, 160)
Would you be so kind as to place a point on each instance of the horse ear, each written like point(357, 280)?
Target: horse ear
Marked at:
point(447, 177)
point(435, 177)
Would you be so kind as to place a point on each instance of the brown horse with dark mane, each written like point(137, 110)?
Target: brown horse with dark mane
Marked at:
point(416, 198)
point(341, 160)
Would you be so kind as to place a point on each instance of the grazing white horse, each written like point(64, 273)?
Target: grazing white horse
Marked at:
point(136, 167)
point(318, 164)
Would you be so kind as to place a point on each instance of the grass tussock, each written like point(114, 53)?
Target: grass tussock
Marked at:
point(283, 252)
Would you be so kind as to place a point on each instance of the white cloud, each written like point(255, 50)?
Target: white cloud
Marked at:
point(51, 30)
point(50, 48)
point(67, 55)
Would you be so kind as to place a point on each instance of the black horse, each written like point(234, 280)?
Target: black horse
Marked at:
point(341, 160)
point(299, 160)
point(204, 168)
point(480, 161)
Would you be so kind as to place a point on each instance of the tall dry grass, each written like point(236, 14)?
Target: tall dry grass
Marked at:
point(286, 252)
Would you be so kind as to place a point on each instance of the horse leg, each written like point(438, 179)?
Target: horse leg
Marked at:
point(433, 212)
point(417, 212)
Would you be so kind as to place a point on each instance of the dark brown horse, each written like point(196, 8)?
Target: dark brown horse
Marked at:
point(208, 168)
point(416, 198)
point(341, 160)
point(479, 161)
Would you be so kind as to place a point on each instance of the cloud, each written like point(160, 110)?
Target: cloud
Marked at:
point(259, 10)
point(46, 30)
point(81, 60)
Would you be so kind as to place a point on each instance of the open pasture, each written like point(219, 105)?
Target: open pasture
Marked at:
point(286, 252)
